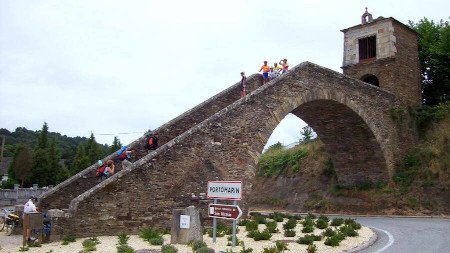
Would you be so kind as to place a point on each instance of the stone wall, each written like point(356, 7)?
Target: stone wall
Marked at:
point(61, 195)
point(227, 145)
point(397, 71)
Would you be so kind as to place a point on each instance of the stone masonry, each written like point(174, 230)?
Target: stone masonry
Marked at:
point(351, 117)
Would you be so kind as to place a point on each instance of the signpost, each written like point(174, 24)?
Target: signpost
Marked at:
point(230, 212)
point(224, 190)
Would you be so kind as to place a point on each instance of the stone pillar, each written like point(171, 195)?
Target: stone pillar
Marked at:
point(194, 229)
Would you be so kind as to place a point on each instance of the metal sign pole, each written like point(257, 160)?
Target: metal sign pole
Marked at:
point(234, 228)
point(214, 225)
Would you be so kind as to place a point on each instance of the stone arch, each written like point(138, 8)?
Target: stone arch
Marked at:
point(372, 79)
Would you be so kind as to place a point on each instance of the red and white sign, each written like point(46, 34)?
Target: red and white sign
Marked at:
point(228, 190)
point(230, 212)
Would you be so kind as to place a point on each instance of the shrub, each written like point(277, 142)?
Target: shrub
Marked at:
point(168, 249)
point(305, 240)
point(260, 219)
point(125, 249)
point(278, 217)
point(243, 222)
point(271, 226)
point(332, 241)
point(321, 224)
point(290, 224)
point(308, 229)
point(89, 245)
point(152, 236)
point(251, 226)
point(281, 246)
point(340, 236)
point(337, 222)
point(123, 238)
point(195, 245)
point(328, 169)
point(348, 230)
point(258, 236)
point(68, 239)
point(289, 233)
point(328, 232)
point(323, 217)
point(308, 221)
point(311, 216)
point(272, 249)
point(205, 250)
point(352, 223)
point(311, 248)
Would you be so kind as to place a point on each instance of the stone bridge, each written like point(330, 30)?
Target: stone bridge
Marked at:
point(222, 139)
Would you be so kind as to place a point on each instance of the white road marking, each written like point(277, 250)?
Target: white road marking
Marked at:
point(390, 242)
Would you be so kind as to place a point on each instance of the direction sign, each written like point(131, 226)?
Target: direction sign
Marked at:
point(229, 190)
point(229, 212)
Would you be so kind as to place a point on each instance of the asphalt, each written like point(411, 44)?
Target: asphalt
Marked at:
point(398, 235)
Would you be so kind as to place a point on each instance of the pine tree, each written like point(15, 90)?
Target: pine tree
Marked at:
point(41, 160)
point(57, 172)
point(43, 137)
point(93, 150)
point(115, 145)
point(81, 161)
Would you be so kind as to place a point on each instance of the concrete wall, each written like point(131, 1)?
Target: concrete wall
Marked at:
point(19, 196)
point(61, 195)
point(349, 115)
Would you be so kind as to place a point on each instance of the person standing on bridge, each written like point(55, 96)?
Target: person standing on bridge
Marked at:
point(284, 66)
point(243, 84)
point(265, 69)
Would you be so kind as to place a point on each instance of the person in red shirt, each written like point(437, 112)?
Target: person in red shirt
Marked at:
point(265, 69)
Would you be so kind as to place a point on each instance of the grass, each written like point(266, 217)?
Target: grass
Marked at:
point(152, 236)
point(68, 239)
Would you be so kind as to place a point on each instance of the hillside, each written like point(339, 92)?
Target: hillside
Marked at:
point(421, 184)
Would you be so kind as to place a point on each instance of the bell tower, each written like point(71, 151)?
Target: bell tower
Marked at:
point(384, 52)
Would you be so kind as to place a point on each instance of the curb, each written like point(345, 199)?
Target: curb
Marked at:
point(365, 245)
point(360, 215)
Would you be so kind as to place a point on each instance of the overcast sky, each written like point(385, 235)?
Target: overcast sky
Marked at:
point(122, 67)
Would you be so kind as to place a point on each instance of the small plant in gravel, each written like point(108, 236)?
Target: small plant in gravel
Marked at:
point(168, 248)
point(68, 239)
point(89, 245)
point(290, 224)
point(308, 229)
point(151, 235)
point(328, 232)
point(259, 236)
point(352, 223)
point(230, 240)
point(321, 224)
point(271, 226)
point(278, 217)
point(123, 238)
point(305, 240)
point(260, 219)
point(336, 222)
point(281, 246)
point(251, 226)
point(308, 221)
point(243, 222)
point(311, 248)
point(272, 249)
point(332, 241)
point(244, 249)
point(348, 230)
point(125, 249)
point(205, 250)
point(289, 233)
point(197, 244)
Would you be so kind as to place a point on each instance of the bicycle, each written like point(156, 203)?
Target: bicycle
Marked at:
point(9, 221)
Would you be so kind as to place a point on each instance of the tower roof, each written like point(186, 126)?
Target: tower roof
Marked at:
point(378, 20)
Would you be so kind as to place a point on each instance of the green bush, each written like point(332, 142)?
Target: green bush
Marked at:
point(348, 230)
point(290, 224)
point(321, 224)
point(308, 221)
point(308, 229)
point(272, 249)
point(251, 225)
point(68, 239)
point(258, 236)
point(278, 217)
point(205, 250)
point(323, 217)
point(328, 169)
point(125, 249)
point(271, 226)
point(123, 238)
point(168, 248)
point(281, 246)
point(275, 161)
point(197, 244)
point(352, 223)
point(89, 245)
point(152, 236)
point(311, 248)
point(289, 233)
point(311, 216)
point(332, 241)
point(243, 222)
point(328, 232)
point(336, 222)
point(260, 219)
point(305, 240)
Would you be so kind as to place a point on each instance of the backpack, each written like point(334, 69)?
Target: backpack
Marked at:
point(122, 156)
point(151, 142)
point(100, 171)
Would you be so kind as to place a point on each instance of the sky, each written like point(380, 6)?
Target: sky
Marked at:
point(118, 68)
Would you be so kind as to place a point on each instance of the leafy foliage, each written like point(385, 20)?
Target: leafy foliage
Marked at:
point(275, 161)
point(151, 235)
point(434, 56)
point(168, 248)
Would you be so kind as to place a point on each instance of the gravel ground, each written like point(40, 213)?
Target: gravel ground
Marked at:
point(108, 243)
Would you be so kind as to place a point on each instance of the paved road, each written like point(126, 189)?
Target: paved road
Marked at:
point(404, 235)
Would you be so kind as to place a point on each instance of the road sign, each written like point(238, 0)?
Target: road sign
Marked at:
point(230, 212)
point(228, 190)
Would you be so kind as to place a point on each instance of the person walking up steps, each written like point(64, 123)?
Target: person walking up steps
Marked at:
point(284, 66)
point(265, 69)
point(243, 85)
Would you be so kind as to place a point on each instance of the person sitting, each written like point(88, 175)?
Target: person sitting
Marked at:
point(151, 141)
point(124, 153)
point(109, 170)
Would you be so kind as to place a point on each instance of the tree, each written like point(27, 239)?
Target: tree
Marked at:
point(93, 150)
point(307, 134)
point(21, 165)
point(43, 137)
point(41, 162)
point(434, 56)
point(57, 172)
point(115, 145)
point(81, 161)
